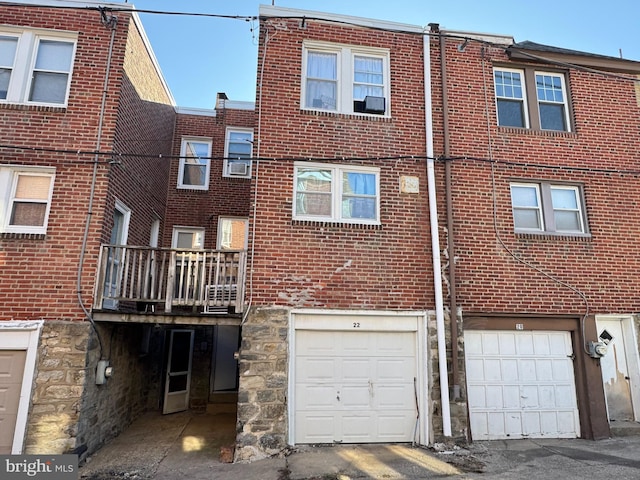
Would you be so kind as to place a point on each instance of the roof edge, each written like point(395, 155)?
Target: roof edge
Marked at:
point(282, 12)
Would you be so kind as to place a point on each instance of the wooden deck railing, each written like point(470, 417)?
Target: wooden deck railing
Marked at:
point(209, 281)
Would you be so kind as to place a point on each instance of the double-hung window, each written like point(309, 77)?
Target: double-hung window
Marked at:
point(531, 99)
point(195, 163)
point(345, 79)
point(238, 146)
point(25, 199)
point(36, 66)
point(337, 193)
point(545, 207)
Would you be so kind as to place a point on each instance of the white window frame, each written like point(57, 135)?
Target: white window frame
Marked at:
point(183, 155)
point(226, 172)
point(22, 70)
point(336, 193)
point(345, 75)
point(193, 230)
point(546, 210)
point(221, 233)
point(530, 99)
point(564, 103)
point(9, 175)
point(523, 100)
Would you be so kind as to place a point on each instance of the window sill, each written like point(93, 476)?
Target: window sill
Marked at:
point(557, 237)
point(33, 108)
point(336, 224)
point(22, 236)
point(532, 131)
point(358, 116)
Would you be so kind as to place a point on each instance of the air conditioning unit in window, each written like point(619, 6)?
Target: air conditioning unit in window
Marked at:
point(238, 169)
point(374, 104)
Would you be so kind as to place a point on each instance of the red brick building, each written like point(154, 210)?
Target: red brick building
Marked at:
point(387, 176)
point(367, 139)
point(100, 175)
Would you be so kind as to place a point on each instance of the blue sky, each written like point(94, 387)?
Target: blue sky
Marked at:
point(202, 56)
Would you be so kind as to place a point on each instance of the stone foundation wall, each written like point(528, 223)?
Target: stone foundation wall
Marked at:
point(458, 407)
point(58, 388)
point(69, 412)
point(262, 395)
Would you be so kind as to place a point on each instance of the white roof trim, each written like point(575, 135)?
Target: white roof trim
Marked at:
point(271, 11)
point(238, 105)
point(483, 37)
point(203, 112)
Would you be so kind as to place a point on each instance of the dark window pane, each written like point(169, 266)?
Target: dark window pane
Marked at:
point(552, 117)
point(28, 214)
point(510, 113)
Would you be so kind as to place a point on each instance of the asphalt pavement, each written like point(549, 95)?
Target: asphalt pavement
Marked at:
point(181, 446)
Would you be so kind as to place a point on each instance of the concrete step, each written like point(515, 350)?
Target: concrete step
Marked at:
point(624, 429)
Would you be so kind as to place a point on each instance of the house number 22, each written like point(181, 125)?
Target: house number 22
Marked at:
point(356, 324)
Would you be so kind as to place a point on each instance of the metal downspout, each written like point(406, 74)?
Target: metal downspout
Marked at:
point(451, 247)
point(110, 23)
point(435, 244)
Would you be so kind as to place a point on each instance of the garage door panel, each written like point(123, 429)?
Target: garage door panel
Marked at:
point(529, 393)
point(322, 344)
point(475, 368)
point(494, 397)
point(9, 398)
point(544, 370)
point(492, 369)
point(541, 344)
point(319, 427)
point(524, 344)
point(387, 369)
point(355, 370)
point(316, 369)
point(316, 397)
point(355, 397)
point(477, 396)
point(395, 427)
point(393, 397)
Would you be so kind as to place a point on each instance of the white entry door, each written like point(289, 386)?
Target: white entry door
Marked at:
point(619, 367)
point(521, 384)
point(12, 363)
point(355, 386)
point(178, 379)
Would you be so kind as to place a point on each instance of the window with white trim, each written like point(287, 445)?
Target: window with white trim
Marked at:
point(545, 207)
point(25, 199)
point(36, 66)
point(345, 79)
point(188, 238)
point(195, 163)
point(336, 193)
point(527, 98)
point(238, 147)
point(232, 233)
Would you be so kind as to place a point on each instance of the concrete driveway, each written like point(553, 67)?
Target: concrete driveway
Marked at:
point(187, 446)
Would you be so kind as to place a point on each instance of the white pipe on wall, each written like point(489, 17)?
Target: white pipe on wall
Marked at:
point(435, 245)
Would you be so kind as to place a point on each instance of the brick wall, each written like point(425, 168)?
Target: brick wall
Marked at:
point(604, 141)
point(300, 264)
point(39, 280)
point(225, 196)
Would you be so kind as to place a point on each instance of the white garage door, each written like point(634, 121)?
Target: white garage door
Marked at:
point(355, 387)
point(521, 385)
